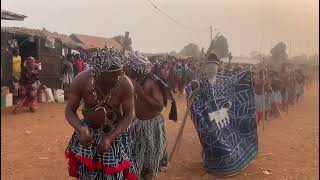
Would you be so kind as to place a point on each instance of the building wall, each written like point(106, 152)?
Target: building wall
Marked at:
point(5, 60)
point(51, 60)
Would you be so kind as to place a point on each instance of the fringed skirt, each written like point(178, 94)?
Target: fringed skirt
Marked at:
point(114, 164)
point(150, 145)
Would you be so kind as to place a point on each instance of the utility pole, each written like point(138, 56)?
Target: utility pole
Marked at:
point(261, 42)
point(230, 57)
point(307, 48)
point(125, 44)
point(211, 34)
point(290, 48)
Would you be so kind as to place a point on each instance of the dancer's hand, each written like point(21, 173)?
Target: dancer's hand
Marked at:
point(85, 137)
point(104, 145)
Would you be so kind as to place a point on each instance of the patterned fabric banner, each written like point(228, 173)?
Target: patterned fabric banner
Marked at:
point(224, 117)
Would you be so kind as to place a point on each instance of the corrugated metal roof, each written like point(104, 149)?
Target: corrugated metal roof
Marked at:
point(88, 42)
point(7, 15)
point(65, 39)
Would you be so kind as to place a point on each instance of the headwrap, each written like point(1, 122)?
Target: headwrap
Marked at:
point(139, 63)
point(106, 60)
point(30, 60)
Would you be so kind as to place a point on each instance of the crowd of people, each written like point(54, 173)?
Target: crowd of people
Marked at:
point(276, 91)
point(25, 78)
point(72, 65)
point(122, 134)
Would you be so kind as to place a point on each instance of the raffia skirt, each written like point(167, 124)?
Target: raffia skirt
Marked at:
point(150, 145)
point(115, 164)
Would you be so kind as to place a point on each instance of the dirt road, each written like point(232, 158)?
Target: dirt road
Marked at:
point(32, 145)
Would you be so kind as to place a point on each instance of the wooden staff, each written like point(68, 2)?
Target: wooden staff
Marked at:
point(179, 136)
point(263, 107)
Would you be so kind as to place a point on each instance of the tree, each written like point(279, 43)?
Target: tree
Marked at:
point(125, 41)
point(190, 50)
point(219, 46)
point(279, 52)
point(173, 53)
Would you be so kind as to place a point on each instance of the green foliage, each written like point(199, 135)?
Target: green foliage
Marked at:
point(219, 46)
point(279, 52)
point(190, 50)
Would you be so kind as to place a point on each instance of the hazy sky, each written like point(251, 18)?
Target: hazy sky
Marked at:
point(246, 23)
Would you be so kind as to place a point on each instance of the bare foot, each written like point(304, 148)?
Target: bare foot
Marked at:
point(33, 110)
point(15, 110)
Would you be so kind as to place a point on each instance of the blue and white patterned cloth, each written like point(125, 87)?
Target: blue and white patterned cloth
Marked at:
point(229, 143)
point(276, 97)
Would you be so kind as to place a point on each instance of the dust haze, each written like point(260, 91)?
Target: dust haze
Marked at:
point(247, 24)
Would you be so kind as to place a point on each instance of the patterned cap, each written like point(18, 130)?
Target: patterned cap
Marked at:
point(106, 60)
point(139, 63)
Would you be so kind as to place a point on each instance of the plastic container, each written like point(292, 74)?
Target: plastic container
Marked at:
point(42, 97)
point(58, 95)
point(60, 99)
point(9, 100)
point(49, 95)
point(4, 91)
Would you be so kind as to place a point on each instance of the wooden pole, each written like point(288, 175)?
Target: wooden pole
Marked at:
point(263, 110)
point(263, 107)
point(178, 141)
point(179, 136)
point(289, 48)
point(211, 34)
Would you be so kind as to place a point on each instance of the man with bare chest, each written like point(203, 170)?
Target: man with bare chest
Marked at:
point(100, 147)
point(147, 130)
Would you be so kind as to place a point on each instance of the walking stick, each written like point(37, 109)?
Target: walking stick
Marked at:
point(176, 145)
point(287, 102)
point(263, 107)
point(179, 136)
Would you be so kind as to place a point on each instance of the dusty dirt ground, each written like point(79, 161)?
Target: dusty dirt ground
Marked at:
point(32, 145)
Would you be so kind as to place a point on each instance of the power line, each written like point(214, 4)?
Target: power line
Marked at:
point(181, 24)
point(174, 19)
point(163, 13)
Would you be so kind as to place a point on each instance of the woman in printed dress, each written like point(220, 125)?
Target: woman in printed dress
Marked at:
point(29, 85)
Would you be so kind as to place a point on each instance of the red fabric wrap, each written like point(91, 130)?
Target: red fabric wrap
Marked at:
point(91, 165)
